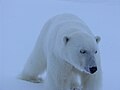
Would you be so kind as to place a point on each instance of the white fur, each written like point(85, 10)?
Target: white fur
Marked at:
point(60, 58)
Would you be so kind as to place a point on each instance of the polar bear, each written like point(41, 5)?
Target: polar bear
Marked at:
point(68, 51)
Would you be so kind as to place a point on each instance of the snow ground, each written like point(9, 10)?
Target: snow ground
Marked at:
point(22, 20)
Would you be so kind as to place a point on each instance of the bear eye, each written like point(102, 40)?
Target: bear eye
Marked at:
point(95, 52)
point(83, 51)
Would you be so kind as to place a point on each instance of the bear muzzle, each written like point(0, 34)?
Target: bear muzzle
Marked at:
point(93, 69)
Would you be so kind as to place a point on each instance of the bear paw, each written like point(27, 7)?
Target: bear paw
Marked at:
point(35, 80)
point(75, 89)
point(32, 79)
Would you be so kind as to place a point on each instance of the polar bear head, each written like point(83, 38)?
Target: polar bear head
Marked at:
point(80, 50)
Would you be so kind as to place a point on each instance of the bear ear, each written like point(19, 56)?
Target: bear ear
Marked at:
point(66, 39)
point(97, 39)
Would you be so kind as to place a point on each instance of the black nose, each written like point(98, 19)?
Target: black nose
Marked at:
point(93, 70)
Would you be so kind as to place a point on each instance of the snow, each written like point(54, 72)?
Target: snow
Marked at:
point(11, 83)
point(22, 20)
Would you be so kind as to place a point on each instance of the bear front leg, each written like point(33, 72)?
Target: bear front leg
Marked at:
point(76, 87)
point(75, 82)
